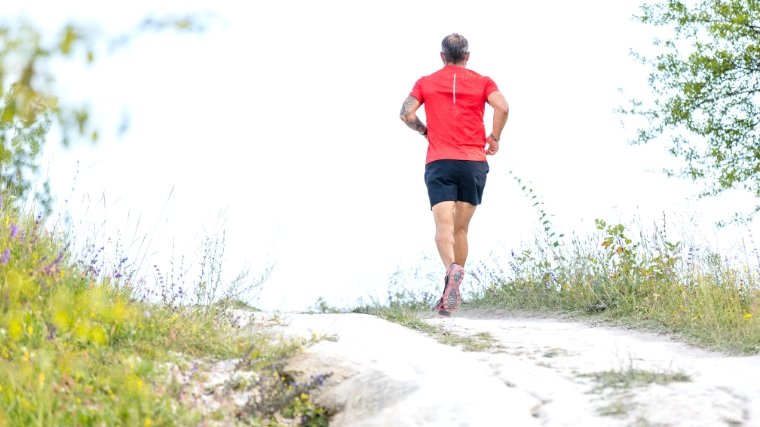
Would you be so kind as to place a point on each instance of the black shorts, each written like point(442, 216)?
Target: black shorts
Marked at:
point(455, 180)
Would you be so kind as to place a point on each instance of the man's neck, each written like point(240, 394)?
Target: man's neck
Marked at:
point(458, 64)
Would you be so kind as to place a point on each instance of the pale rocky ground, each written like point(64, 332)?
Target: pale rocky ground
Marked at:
point(387, 375)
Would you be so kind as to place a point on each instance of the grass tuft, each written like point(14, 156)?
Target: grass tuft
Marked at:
point(631, 377)
point(411, 318)
point(619, 382)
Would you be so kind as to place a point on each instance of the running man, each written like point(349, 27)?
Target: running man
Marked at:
point(456, 165)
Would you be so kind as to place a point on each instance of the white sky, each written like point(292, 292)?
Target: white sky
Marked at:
point(286, 118)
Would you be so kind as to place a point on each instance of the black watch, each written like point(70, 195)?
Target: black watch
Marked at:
point(424, 133)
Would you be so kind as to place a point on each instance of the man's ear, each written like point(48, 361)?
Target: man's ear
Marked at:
point(467, 57)
point(442, 58)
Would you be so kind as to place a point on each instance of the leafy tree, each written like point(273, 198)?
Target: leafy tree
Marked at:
point(29, 101)
point(707, 81)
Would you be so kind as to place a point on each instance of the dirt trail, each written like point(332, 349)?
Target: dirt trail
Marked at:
point(536, 373)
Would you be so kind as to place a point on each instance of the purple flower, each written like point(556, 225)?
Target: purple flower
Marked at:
point(14, 230)
point(6, 256)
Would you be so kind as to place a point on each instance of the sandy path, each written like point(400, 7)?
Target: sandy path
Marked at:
point(388, 375)
point(544, 358)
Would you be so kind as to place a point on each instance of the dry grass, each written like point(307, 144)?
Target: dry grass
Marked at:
point(644, 280)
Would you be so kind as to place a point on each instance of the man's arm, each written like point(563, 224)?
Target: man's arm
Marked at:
point(500, 115)
point(409, 116)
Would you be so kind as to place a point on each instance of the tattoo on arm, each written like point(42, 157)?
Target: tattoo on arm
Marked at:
point(408, 116)
point(416, 125)
point(409, 103)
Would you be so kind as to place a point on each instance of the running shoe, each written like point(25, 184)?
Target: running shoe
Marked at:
point(440, 307)
point(451, 297)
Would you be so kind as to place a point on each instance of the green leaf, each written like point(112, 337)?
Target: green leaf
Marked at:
point(706, 78)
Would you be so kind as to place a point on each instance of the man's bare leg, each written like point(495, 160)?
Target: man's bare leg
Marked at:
point(443, 213)
point(452, 221)
point(463, 212)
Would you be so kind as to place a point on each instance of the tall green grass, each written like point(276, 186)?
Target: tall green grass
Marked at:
point(87, 343)
point(638, 279)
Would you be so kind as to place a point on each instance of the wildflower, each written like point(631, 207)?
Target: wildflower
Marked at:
point(515, 268)
point(747, 316)
point(14, 230)
point(5, 257)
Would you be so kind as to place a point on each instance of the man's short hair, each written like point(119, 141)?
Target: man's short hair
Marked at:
point(454, 48)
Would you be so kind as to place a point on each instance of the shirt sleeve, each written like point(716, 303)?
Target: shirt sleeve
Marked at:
point(490, 87)
point(417, 92)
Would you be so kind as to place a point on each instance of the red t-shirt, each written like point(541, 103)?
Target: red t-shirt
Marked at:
point(455, 100)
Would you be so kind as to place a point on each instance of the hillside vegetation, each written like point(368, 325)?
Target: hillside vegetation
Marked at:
point(639, 279)
point(84, 342)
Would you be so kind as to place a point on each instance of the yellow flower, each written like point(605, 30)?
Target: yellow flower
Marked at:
point(15, 329)
point(30, 330)
point(304, 396)
point(747, 316)
point(147, 422)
